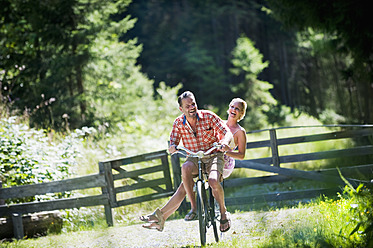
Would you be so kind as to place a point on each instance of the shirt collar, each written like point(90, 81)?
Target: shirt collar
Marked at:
point(184, 118)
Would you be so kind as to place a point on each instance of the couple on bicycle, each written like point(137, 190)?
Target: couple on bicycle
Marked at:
point(199, 130)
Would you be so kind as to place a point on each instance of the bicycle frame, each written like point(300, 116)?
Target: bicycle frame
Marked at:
point(205, 205)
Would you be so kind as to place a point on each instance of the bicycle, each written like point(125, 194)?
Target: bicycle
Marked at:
point(205, 204)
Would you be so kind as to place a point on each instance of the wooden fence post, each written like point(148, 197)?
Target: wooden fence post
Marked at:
point(17, 226)
point(2, 201)
point(176, 169)
point(166, 172)
point(274, 147)
point(105, 168)
point(175, 162)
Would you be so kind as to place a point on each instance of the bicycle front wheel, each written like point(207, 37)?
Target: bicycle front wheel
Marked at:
point(202, 208)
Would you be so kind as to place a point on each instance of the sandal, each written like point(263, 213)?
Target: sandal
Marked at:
point(191, 216)
point(227, 220)
point(150, 218)
point(153, 225)
point(157, 224)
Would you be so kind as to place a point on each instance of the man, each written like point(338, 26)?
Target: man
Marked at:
point(198, 130)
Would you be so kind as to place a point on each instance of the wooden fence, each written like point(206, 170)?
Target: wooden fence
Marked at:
point(272, 164)
point(110, 172)
point(362, 138)
point(119, 178)
point(116, 171)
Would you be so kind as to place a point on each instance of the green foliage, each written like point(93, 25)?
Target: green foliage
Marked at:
point(119, 93)
point(146, 125)
point(246, 58)
point(43, 70)
point(41, 67)
point(348, 219)
point(83, 219)
point(325, 98)
point(64, 63)
point(27, 156)
point(343, 222)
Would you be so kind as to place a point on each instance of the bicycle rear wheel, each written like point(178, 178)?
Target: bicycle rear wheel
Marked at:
point(212, 215)
point(202, 211)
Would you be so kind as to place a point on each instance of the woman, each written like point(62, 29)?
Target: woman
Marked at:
point(236, 112)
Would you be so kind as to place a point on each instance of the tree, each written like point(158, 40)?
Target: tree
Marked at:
point(43, 51)
point(120, 95)
point(248, 64)
point(48, 50)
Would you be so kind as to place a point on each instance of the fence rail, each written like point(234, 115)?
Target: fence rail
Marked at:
point(85, 182)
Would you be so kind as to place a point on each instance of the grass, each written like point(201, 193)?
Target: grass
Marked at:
point(346, 221)
point(343, 222)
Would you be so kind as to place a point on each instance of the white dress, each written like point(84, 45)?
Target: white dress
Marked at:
point(229, 162)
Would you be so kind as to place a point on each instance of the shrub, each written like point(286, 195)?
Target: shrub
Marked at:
point(28, 156)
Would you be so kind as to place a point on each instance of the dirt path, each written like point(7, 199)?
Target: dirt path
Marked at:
point(179, 233)
point(250, 226)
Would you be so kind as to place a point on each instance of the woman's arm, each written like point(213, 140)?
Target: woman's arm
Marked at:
point(241, 143)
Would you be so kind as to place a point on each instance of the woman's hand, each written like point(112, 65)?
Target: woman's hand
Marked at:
point(224, 148)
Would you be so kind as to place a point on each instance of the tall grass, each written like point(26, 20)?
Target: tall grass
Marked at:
point(343, 222)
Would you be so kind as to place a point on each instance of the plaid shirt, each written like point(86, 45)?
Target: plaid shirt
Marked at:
point(208, 130)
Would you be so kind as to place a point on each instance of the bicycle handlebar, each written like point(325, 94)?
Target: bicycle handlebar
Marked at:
point(199, 154)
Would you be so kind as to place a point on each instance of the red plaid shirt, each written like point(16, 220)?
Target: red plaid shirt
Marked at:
point(209, 127)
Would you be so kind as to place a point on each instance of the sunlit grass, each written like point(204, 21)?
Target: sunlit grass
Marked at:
point(342, 222)
point(346, 221)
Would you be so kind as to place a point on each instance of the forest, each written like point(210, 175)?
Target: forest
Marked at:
point(69, 64)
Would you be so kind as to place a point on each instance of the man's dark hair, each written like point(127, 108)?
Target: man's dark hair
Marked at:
point(184, 95)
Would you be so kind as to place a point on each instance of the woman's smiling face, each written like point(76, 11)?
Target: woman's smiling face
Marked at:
point(235, 110)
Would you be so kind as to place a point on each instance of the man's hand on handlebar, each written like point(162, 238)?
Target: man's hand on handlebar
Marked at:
point(222, 148)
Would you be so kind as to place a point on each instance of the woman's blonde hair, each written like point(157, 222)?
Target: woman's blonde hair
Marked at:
point(243, 104)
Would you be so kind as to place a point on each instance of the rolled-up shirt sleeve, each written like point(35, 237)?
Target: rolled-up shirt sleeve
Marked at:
point(175, 135)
